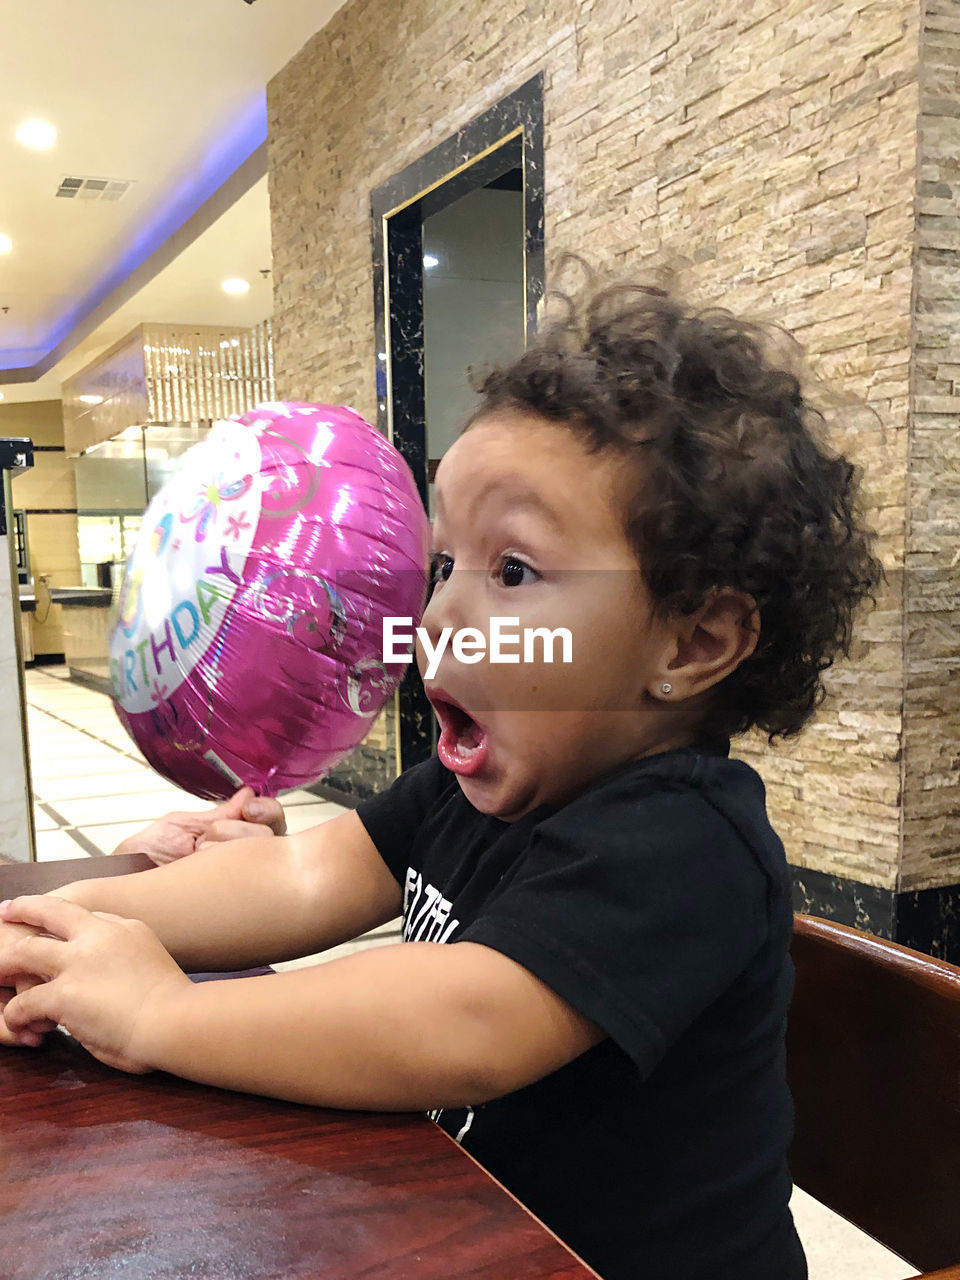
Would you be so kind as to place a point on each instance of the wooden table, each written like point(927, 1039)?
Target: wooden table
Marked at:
point(153, 1178)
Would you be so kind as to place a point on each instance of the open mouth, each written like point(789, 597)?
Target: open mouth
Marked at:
point(462, 746)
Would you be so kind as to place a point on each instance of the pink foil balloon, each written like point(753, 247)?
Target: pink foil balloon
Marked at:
point(248, 645)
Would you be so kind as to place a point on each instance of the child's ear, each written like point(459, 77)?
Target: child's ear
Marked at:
point(712, 642)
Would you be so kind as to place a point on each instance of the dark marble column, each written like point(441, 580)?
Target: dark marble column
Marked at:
point(507, 137)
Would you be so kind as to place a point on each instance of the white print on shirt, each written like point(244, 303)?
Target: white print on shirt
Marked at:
point(426, 912)
point(465, 1128)
point(426, 918)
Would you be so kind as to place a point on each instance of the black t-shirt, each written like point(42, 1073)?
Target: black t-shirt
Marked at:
point(657, 904)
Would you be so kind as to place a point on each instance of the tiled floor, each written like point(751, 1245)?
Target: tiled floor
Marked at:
point(93, 788)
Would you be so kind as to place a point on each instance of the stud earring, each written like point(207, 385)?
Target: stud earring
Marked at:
point(666, 688)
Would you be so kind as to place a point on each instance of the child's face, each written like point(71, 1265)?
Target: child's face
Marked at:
point(528, 527)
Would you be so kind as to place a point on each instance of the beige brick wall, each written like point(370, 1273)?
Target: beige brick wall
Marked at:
point(774, 148)
point(931, 728)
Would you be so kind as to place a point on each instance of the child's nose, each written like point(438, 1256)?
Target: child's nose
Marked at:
point(436, 615)
point(449, 604)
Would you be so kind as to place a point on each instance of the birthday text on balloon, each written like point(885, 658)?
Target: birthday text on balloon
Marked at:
point(469, 644)
point(180, 631)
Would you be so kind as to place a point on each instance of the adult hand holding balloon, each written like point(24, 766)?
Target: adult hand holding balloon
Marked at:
point(248, 647)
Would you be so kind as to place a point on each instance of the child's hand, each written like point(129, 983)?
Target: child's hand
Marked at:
point(12, 986)
point(177, 834)
point(102, 977)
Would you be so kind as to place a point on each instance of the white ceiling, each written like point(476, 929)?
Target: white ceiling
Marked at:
point(168, 94)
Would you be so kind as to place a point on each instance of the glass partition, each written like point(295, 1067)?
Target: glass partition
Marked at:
point(115, 482)
point(163, 445)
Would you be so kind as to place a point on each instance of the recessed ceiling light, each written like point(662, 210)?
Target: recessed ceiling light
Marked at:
point(430, 260)
point(6, 244)
point(38, 134)
point(235, 285)
point(90, 399)
point(1, 395)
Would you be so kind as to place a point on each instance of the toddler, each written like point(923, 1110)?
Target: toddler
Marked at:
point(592, 990)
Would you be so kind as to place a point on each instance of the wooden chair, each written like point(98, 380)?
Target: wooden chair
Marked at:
point(873, 1057)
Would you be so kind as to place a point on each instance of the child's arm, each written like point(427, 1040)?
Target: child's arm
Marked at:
point(396, 1028)
point(251, 902)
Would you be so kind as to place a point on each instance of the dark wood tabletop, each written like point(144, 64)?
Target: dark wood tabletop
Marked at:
point(41, 877)
point(150, 1177)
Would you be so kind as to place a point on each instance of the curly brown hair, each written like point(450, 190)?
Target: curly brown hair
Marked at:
point(731, 485)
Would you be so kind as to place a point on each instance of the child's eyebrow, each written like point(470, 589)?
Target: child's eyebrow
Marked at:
point(524, 498)
point(518, 495)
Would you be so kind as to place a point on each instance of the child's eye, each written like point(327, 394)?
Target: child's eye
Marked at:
point(514, 573)
point(441, 567)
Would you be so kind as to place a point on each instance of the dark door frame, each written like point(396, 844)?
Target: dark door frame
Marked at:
point(507, 136)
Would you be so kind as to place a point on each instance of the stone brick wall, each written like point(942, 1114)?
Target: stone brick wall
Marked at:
point(773, 147)
point(931, 725)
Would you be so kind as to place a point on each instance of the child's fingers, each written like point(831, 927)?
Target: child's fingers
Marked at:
point(29, 1036)
point(6, 995)
point(33, 1008)
point(177, 834)
point(20, 1039)
point(173, 836)
point(24, 983)
point(225, 829)
point(31, 959)
point(268, 812)
point(232, 809)
point(54, 915)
